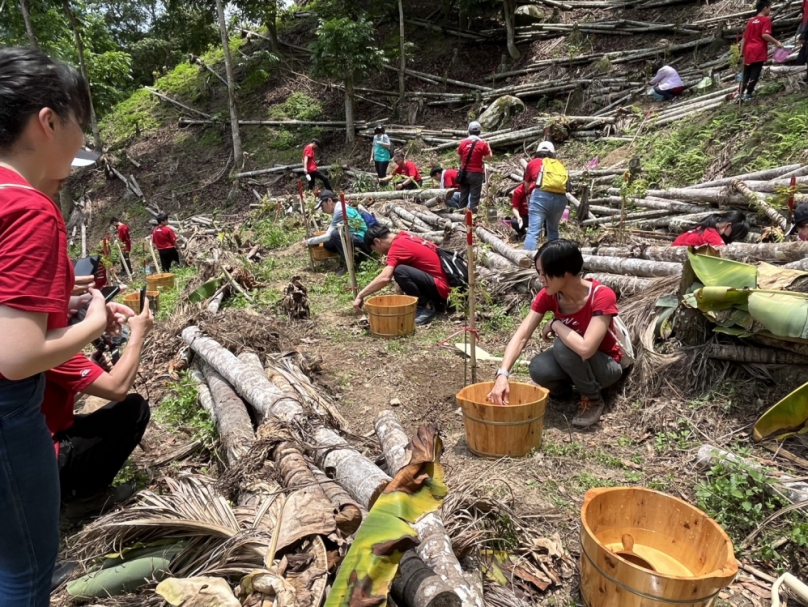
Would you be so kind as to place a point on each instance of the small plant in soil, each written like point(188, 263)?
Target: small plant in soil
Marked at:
point(181, 410)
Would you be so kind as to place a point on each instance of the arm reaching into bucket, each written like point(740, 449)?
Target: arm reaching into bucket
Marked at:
point(500, 393)
point(384, 278)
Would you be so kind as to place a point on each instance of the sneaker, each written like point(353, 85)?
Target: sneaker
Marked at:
point(589, 412)
point(746, 97)
point(424, 316)
point(98, 503)
point(342, 271)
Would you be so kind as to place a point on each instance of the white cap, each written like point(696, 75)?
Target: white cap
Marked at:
point(546, 146)
point(475, 126)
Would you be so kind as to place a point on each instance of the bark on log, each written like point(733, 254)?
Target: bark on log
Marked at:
point(631, 267)
point(751, 354)
point(615, 219)
point(233, 423)
point(758, 175)
point(774, 252)
point(521, 258)
point(417, 586)
point(204, 396)
point(493, 261)
point(411, 195)
point(654, 203)
point(393, 439)
point(760, 202)
point(417, 223)
point(713, 196)
point(350, 514)
point(623, 286)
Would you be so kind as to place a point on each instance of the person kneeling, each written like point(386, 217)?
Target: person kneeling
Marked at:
point(331, 240)
point(585, 353)
point(91, 449)
point(414, 264)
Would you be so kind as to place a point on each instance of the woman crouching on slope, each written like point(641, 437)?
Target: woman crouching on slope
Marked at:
point(585, 354)
point(717, 230)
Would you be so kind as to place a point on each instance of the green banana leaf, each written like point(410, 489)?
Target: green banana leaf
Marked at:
point(786, 418)
point(782, 313)
point(711, 299)
point(206, 290)
point(718, 272)
point(385, 535)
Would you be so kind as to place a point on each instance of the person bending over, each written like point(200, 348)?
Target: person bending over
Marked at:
point(755, 47)
point(446, 179)
point(585, 354)
point(165, 240)
point(331, 239)
point(666, 82)
point(520, 220)
point(800, 227)
point(125, 240)
point(91, 449)
point(380, 152)
point(472, 153)
point(310, 165)
point(415, 266)
point(406, 168)
point(716, 230)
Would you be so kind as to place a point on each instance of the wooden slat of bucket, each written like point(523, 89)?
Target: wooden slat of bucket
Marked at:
point(133, 300)
point(514, 429)
point(690, 556)
point(160, 282)
point(391, 315)
point(318, 252)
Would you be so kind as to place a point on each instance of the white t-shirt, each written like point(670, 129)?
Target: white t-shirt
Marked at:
point(667, 78)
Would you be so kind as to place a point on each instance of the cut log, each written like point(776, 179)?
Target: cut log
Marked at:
point(417, 223)
point(758, 175)
point(713, 196)
point(233, 423)
point(417, 586)
point(493, 261)
point(770, 252)
point(350, 514)
point(751, 354)
point(631, 267)
point(412, 195)
point(204, 396)
point(216, 301)
point(653, 203)
point(521, 258)
point(393, 439)
point(759, 201)
point(623, 286)
point(616, 219)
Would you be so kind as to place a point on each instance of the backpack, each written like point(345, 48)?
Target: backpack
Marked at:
point(619, 331)
point(553, 177)
point(370, 220)
point(455, 267)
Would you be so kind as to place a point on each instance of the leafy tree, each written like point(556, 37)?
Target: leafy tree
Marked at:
point(345, 49)
point(266, 13)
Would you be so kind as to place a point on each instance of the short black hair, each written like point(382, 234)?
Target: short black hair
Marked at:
point(162, 217)
point(114, 220)
point(376, 231)
point(317, 141)
point(762, 4)
point(740, 226)
point(559, 257)
point(30, 81)
point(398, 154)
point(435, 171)
point(657, 65)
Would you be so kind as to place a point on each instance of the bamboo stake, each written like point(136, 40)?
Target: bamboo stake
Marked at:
point(759, 201)
point(347, 245)
point(123, 262)
point(472, 292)
point(177, 103)
point(237, 286)
point(157, 266)
point(83, 239)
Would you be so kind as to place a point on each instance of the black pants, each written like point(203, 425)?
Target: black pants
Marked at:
point(167, 257)
point(417, 283)
point(126, 262)
point(381, 168)
point(666, 95)
point(471, 190)
point(318, 174)
point(334, 244)
point(525, 222)
point(413, 185)
point(96, 446)
point(751, 75)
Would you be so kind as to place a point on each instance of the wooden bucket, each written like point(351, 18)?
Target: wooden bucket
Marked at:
point(160, 282)
point(133, 301)
point(391, 315)
point(319, 253)
point(642, 548)
point(494, 430)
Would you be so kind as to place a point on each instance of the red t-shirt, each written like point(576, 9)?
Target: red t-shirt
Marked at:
point(698, 238)
point(125, 237)
point(519, 200)
point(36, 274)
point(308, 154)
point(475, 164)
point(804, 13)
point(409, 169)
point(755, 48)
point(450, 175)
point(600, 301)
point(61, 386)
point(532, 171)
point(163, 237)
point(421, 254)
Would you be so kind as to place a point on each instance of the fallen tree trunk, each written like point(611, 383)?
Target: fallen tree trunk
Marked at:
point(770, 252)
point(616, 219)
point(521, 258)
point(713, 196)
point(752, 354)
point(232, 420)
point(631, 267)
point(623, 286)
point(760, 202)
point(204, 396)
point(415, 221)
point(393, 439)
point(412, 195)
point(350, 514)
point(493, 261)
point(758, 175)
point(417, 586)
point(652, 203)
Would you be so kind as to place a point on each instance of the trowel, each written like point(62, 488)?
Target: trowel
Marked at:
point(482, 355)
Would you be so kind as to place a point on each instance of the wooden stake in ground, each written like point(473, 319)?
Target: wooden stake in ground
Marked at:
point(153, 256)
point(347, 245)
point(472, 307)
point(123, 262)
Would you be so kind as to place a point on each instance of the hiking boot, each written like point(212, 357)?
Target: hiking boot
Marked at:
point(424, 316)
point(342, 271)
point(746, 97)
point(589, 412)
point(98, 503)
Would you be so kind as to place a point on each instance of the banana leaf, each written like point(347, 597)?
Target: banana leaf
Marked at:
point(783, 313)
point(385, 535)
point(206, 290)
point(711, 299)
point(774, 277)
point(718, 272)
point(786, 418)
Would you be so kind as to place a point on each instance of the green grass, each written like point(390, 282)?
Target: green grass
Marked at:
point(140, 113)
point(170, 299)
point(180, 410)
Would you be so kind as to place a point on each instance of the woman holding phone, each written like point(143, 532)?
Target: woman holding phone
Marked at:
point(44, 106)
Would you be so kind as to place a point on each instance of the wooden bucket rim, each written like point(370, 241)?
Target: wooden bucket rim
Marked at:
point(459, 396)
point(136, 296)
point(408, 300)
point(728, 570)
point(160, 276)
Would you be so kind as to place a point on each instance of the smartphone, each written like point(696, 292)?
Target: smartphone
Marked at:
point(109, 293)
point(86, 266)
point(142, 298)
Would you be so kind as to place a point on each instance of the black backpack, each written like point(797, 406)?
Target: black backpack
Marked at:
point(455, 267)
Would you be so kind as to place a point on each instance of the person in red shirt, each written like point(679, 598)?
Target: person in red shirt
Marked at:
point(407, 168)
point(165, 240)
point(45, 107)
point(414, 264)
point(310, 169)
point(755, 47)
point(519, 203)
point(125, 240)
point(716, 230)
point(472, 153)
point(91, 449)
point(446, 179)
point(585, 353)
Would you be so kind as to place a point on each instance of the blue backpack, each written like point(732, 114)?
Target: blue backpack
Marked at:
point(370, 220)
